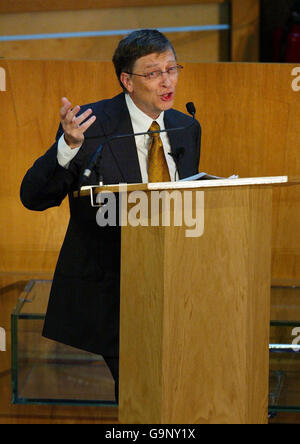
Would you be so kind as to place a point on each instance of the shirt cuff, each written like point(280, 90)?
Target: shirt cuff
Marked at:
point(64, 153)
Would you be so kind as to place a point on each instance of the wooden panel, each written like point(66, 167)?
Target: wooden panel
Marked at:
point(32, 243)
point(245, 30)
point(145, 314)
point(202, 324)
point(218, 307)
point(245, 20)
point(248, 113)
point(286, 418)
point(191, 46)
point(110, 19)
point(58, 5)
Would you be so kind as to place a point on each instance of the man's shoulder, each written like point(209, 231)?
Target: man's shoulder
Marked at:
point(176, 117)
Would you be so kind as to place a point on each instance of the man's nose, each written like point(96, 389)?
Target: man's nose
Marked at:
point(165, 78)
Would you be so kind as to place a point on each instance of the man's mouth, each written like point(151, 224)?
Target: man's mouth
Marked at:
point(167, 97)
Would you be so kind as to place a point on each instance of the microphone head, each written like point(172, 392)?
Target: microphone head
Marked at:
point(190, 107)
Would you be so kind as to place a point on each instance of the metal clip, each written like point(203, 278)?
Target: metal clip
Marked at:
point(94, 204)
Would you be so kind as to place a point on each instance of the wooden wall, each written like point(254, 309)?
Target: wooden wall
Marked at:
point(191, 46)
point(35, 17)
point(250, 127)
point(64, 5)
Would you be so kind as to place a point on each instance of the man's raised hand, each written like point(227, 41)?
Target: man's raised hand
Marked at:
point(72, 124)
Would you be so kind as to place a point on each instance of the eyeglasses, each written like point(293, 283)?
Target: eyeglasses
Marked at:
point(172, 72)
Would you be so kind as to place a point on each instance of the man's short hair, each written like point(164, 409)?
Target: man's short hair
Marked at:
point(139, 44)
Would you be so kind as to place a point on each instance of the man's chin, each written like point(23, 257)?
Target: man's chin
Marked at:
point(165, 105)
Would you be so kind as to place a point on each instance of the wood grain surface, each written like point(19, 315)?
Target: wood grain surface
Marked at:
point(248, 114)
point(195, 315)
point(241, 43)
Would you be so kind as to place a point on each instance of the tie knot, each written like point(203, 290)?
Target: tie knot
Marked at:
point(154, 127)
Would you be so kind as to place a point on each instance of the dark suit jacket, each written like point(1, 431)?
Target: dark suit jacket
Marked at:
point(83, 309)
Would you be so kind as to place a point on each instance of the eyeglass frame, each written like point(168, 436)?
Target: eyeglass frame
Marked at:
point(146, 76)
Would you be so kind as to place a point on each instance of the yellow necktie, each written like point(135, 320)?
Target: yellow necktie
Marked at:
point(158, 170)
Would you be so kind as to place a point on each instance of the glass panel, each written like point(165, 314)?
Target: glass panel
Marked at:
point(45, 371)
point(284, 381)
point(285, 365)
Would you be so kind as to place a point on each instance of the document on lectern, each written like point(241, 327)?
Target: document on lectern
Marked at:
point(206, 176)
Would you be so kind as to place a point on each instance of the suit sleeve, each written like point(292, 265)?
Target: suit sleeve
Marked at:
point(46, 183)
point(198, 139)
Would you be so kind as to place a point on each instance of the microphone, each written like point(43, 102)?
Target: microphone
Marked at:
point(87, 172)
point(190, 107)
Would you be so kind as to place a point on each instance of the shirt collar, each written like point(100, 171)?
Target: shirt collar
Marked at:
point(140, 121)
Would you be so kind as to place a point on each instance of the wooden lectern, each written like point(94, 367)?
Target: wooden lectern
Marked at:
point(195, 311)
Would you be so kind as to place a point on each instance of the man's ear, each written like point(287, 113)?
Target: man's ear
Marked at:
point(126, 81)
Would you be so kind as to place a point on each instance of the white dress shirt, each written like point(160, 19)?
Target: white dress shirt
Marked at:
point(140, 123)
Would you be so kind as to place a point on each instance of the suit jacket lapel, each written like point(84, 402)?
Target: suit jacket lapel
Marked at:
point(124, 150)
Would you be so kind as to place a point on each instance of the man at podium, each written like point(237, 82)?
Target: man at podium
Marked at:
point(83, 309)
